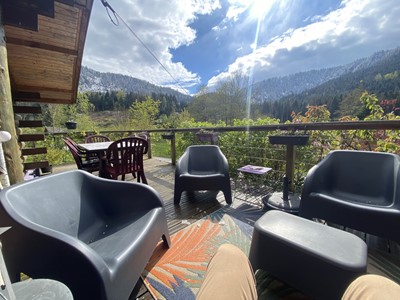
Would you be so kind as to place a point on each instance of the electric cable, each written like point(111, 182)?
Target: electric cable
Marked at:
point(116, 23)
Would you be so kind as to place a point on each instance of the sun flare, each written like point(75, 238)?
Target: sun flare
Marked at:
point(259, 8)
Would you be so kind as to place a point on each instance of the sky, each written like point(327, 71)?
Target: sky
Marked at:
point(190, 44)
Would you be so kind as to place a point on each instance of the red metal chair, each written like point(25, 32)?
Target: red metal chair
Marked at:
point(125, 156)
point(97, 138)
point(82, 160)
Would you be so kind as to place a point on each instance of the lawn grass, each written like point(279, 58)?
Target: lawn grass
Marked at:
point(161, 148)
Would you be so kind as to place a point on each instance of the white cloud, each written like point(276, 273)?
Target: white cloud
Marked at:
point(161, 26)
point(358, 28)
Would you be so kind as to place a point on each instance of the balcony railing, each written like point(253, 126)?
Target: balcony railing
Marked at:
point(250, 144)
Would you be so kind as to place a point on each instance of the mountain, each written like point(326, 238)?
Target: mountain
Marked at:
point(94, 81)
point(281, 87)
point(300, 86)
point(377, 74)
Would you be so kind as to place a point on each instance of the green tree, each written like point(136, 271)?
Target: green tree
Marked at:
point(351, 105)
point(143, 114)
point(226, 104)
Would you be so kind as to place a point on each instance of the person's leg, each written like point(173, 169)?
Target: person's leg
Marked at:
point(372, 287)
point(229, 276)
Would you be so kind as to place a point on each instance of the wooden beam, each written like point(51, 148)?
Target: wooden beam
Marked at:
point(33, 44)
point(34, 165)
point(27, 88)
point(32, 95)
point(12, 153)
point(31, 137)
point(34, 151)
point(49, 100)
point(30, 123)
point(27, 109)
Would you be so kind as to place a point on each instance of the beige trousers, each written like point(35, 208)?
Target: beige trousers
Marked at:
point(372, 287)
point(230, 276)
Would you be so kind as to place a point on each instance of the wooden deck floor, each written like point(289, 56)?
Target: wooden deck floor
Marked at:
point(160, 176)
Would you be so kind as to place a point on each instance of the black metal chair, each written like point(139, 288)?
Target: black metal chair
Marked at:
point(356, 189)
point(202, 167)
point(94, 235)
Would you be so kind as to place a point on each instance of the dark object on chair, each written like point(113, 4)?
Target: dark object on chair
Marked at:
point(356, 189)
point(82, 159)
point(202, 167)
point(97, 138)
point(125, 156)
point(319, 260)
point(94, 235)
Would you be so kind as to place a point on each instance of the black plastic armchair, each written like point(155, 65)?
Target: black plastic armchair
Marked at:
point(202, 167)
point(95, 235)
point(356, 189)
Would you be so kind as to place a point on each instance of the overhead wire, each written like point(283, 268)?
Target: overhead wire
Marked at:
point(116, 23)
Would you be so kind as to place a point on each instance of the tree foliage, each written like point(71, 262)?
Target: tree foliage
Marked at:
point(143, 114)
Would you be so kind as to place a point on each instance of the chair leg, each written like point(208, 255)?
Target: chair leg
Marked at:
point(177, 196)
point(228, 193)
point(141, 176)
point(228, 196)
point(166, 240)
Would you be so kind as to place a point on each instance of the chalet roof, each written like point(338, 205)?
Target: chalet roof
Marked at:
point(45, 41)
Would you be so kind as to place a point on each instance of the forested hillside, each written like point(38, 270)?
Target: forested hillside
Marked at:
point(339, 88)
point(94, 81)
point(121, 101)
point(379, 74)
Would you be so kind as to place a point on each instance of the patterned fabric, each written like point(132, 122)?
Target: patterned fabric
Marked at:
point(177, 273)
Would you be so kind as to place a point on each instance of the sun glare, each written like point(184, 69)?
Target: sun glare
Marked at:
point(260, 8)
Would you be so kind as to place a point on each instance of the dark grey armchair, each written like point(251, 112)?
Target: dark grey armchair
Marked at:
point(356, 189)
point(95, 235)
point(202, 167)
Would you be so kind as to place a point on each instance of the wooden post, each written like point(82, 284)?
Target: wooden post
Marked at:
point(290, 165)
point(149, 152)
point(173, 149)
point(12, 153)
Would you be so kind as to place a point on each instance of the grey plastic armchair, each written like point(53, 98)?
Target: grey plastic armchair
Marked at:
point(356, 189)
point(202, 167)
point(95, 235)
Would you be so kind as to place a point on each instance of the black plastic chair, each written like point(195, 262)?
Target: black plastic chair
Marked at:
point(83, 160)
point(356, 189)
point(94, 235)
point(202, 167)
point(125, 156)
point(97, 138)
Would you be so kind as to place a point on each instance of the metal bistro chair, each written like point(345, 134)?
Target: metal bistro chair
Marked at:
point(97, 138)
point(82, 160)
point(125, 156)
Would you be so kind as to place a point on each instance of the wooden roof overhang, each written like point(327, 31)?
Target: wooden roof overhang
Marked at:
point(45, 41)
